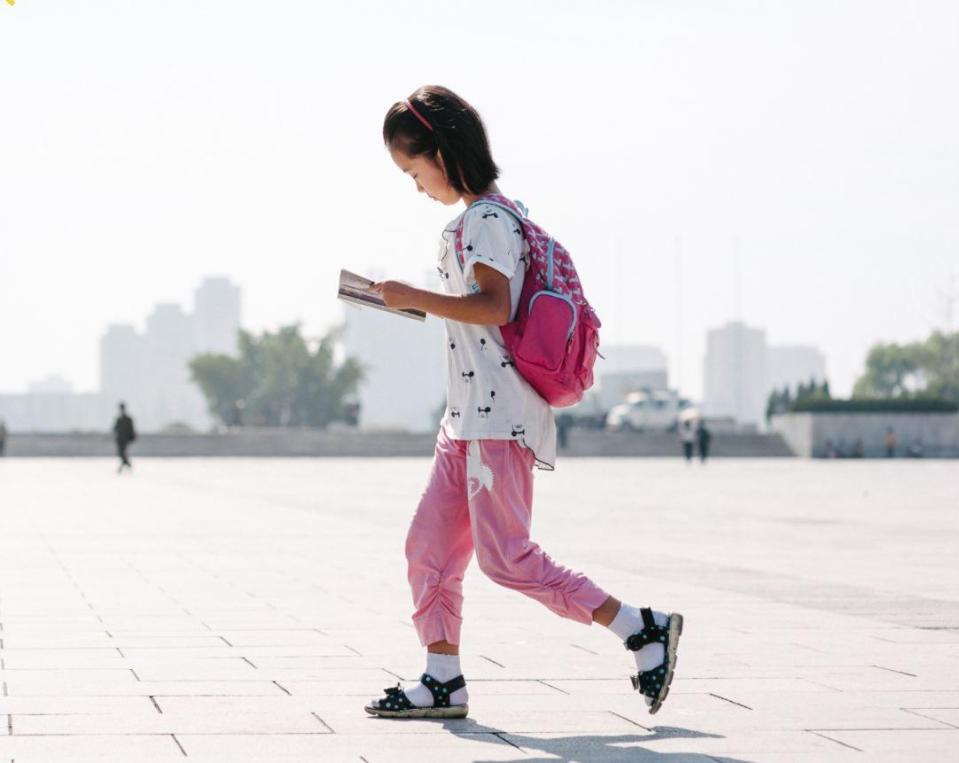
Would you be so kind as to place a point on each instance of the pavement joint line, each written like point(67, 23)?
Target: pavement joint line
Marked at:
point(120, 651)
point(179, 745)
point(730, 701)
point(499, 735)
point(823, 736)
point(490, 659)
point(283, 688)
point(322, 633)
point(553, 687)
point(353, 650)
point(5, 694)
point(9, 724)
point(395, 675)
point(577, 646)
point(135, 674)
point(630, 720)
point(248, 662)
point(893, 670)
point(323, 722)
point(820, 683)
point(109, 635)
point(915, 711)
point(224, 640)
point(156, 704)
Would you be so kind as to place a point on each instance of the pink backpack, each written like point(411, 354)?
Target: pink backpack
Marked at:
point(554, 338)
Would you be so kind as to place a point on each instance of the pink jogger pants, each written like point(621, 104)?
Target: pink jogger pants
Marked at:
point(479, 496)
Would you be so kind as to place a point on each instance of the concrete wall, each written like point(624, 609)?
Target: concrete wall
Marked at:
point(294, 443)
point(807, 433)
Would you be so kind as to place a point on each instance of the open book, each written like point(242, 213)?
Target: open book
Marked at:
point(356, 289)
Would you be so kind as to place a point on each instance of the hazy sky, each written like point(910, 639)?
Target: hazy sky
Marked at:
point(144, 145)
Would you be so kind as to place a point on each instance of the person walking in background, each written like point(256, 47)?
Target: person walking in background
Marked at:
point(688, 437)
point(563, 423)
point(890, 443)
point(3, 437)
point(123, 434)
point(703, 436)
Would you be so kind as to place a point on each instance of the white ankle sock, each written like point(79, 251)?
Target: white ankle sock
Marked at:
point(443, 667)
point(629, 621)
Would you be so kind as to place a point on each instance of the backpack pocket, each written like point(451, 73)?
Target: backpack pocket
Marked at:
point(549, 327)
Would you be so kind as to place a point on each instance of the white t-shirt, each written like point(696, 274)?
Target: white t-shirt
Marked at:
point(486, 398)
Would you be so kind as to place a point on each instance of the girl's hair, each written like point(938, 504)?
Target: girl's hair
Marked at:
point(451, 128)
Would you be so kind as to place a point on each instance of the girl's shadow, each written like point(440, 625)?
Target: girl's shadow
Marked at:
point(587, 748)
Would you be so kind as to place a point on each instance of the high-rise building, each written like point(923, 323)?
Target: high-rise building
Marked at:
point(121, 359)
point(404, 362)
point(735, 373)
point(169, 345)
point(150, 371)
point(790, 365)
point(216, 316)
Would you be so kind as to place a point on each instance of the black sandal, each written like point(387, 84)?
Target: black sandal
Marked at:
point(654, 683)
point(397, 705)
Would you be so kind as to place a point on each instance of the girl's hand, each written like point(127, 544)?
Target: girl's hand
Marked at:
point(396, 294)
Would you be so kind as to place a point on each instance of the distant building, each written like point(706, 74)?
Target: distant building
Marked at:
point(216, 316)
point(168, 395)
point(121, 363)
point(150, 372)
point(53, 384)
point(56, 412)
point(735, 374)
point(741, 371)
point(404, 363)
point(788, 366)
point(624, 369)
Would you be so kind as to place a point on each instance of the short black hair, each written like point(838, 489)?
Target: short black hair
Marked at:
point(457, 135)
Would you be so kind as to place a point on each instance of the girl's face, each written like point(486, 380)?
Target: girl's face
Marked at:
point(429, 176)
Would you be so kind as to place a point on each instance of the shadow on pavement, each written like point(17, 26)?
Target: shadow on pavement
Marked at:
point(586, 748)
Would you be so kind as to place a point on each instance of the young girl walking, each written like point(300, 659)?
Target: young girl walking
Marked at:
point(495, 430)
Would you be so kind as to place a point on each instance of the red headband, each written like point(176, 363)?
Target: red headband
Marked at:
point(419, 116)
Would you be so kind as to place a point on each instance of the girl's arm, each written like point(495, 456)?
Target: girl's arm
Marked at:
point(490, 306)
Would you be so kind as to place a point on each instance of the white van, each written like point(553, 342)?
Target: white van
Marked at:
point(656, 410)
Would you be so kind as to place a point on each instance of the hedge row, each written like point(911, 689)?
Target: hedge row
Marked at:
point(912, 405)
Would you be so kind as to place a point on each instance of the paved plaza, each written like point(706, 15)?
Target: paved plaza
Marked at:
point(245, 610)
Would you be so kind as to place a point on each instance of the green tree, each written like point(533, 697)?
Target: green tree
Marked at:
point(925, 369)
point(940, 365)
point(890, 371)
point(279, 379)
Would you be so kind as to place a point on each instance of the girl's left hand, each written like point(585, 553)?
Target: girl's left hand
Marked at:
point(396, 294)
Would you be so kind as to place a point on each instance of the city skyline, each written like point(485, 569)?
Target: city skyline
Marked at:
point(792, 166)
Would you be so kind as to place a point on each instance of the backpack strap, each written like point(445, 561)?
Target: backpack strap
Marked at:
point(518, 210)
point(515, 208)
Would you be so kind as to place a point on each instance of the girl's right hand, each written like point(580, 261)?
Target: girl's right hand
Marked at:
point(396, 294)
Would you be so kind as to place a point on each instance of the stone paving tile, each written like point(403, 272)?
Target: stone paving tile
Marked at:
point(913, 744)
point(374, 748)
point(83, 749)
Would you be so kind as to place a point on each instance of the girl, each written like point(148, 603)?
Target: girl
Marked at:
point(494, 431)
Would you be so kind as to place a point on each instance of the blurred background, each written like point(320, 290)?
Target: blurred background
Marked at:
point(760, 197)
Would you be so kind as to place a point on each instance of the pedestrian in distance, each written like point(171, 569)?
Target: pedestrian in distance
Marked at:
point(496, 429)
point(687, 435)
point(124, 433)
point(3, 437)
point(703, 438)
point(890, 443)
